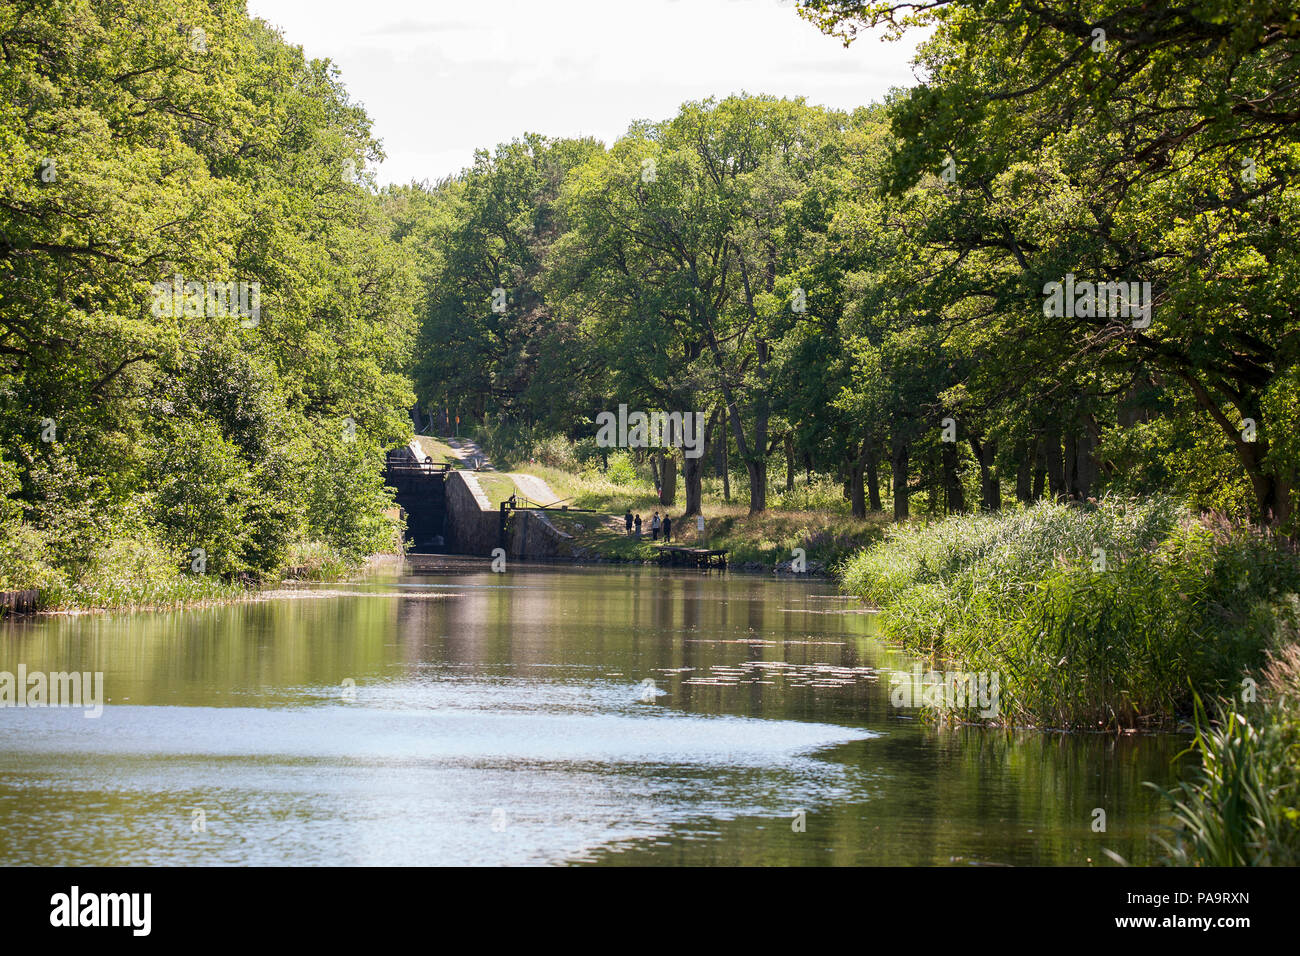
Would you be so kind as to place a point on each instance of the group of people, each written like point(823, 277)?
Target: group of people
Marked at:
point(657, 524)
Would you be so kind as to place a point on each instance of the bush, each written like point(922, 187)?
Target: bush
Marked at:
point(347, 500)
point(621, 470)
point(139, 572)
point(1093, 616)
point(318, 561)
point(25, 561)
point(203, 487)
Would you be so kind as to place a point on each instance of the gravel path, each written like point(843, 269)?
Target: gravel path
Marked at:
point(534, 489)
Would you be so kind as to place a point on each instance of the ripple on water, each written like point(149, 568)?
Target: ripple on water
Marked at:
point(372, 782)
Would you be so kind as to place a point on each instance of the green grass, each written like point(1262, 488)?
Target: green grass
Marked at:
point(496, 486)
point(768, 539)
point(435, 448)
point(1242, 807)
point(1180, 605)
point(127, 574)
point(317, 561)
point(591, 490)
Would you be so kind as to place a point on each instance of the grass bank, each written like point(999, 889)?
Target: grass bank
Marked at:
point(755, 542)
point(136, 573)
point(1111, 615)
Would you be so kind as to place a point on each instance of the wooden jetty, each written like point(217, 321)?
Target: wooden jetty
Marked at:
point(692, 557)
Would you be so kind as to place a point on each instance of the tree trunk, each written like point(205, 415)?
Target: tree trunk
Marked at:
point(726, 459)
point(1089, 466)
point(1272, 494)
point(1071, 467)
point(755, 460)
point(990, 486)
point(667, 478)
point(873, 475)
point(757, 471)
point(954, 495)
point(789, 463)
point(1054, 464)
point(693, 479)
point(1024, 473)
point(857, 472)
point(857, 495)
point(898, 467)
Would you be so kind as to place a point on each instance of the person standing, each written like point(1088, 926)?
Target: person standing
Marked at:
point(627, 520)
point(637, 522)
point(668, 528)
point(654, 527)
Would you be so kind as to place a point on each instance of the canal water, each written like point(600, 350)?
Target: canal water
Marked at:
point(549, 716)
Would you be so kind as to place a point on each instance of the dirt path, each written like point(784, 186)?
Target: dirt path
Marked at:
point(467, 451)
point(534, 489)
point(530, 486)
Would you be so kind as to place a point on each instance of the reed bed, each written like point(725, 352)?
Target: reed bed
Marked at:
point(1242, 806)
point(1106, 615)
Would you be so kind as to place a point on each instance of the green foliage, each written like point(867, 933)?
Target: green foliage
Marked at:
point(621, 470)
point(317, 561)
point(1163, 151)
point(838, 286)
point(508, 353)
point(25, 560)
point(178, 138)
point(348, 501)
point(511, 445)
point(201, 495)
point(1105, 616)
point(129, 572)
point(1242, 807)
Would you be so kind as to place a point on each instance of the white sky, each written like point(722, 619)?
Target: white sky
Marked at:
point(444, 77)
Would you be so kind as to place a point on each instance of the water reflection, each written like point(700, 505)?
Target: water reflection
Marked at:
point(499, 719)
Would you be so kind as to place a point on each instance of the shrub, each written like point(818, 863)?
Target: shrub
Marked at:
point(621, 470)
point(137, 572)
point(1093, 616)
point(318, 561)
point(25, 560)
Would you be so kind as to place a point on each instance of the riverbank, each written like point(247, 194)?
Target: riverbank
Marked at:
point(1101, 616)
point(764, 543)
point(1114, 616)
point(131, 579)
